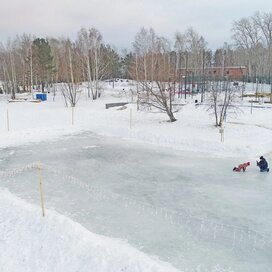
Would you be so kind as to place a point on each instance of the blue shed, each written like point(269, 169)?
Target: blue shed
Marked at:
point(41, 96)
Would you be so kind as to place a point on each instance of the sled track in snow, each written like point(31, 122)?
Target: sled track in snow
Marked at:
point(246, 124)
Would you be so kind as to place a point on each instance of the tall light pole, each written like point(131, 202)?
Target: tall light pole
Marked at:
point(203, 80)
point(186, 67)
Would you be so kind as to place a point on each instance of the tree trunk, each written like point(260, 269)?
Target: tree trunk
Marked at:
point(171, 116)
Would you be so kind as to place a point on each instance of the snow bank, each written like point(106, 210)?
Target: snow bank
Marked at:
point(55, 243)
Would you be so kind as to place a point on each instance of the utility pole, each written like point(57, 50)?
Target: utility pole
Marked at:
point(223, 62)
point(203, 79)
point(31, 71)
point(270, 86)
point(186, 67)
point(180, 87)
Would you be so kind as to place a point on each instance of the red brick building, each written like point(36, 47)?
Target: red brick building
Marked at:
point(232, 72)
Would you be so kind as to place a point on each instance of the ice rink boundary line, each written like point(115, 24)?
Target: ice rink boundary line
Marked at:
point(35, 165)
point(140, 205)
point(16, 171)
point(157, 210)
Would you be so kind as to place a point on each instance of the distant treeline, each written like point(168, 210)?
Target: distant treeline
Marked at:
point(27, 60)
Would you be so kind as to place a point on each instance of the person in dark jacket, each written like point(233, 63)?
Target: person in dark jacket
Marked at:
point(263, 165)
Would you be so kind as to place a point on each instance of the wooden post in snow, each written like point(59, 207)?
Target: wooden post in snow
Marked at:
point(130, 118)
point(7, 119)
point(41, 187)
point(221, 131)
point(72, 115)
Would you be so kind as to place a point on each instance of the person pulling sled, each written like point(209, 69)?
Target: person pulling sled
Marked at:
point(241, 167)
point(263, 165)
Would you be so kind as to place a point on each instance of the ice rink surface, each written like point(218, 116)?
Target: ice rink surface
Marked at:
point(187, 208)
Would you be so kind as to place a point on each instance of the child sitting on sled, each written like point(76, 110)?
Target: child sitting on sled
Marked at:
point(241, 167)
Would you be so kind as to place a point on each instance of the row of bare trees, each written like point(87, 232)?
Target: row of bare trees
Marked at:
point(252, 47)
point(155, 64)
point(28, 62)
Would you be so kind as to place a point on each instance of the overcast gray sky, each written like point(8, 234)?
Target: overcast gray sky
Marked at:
point(120, 20)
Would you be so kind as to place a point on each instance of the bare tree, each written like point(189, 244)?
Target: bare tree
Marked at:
point(160, 96)
point(71, 93)
point(25, 52)
point(6, 77)
point(10, 60)
point(56, 46)
point(179, 46)
point(155, 72)
point(194, 45)
point(247, 36)
point(190, 50)
point(145, 46)
point(96, 58)
point(264, 23)
point(84, 44)
point(221, 100)
point(70, 89)
point(141, 47)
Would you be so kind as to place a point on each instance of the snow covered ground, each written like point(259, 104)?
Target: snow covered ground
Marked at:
point(236, 205)
point(30, 242)
point(247, 134)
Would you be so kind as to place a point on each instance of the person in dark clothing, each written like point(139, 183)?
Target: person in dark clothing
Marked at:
point(263, 165)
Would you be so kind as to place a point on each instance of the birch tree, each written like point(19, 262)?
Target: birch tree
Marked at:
point(264, 23)
point(70, 89)
point(11, 67)
point(6, 76)
point(155, 73)
point(194, 45)
point(222, 96)
point(96, 58)
point(247, 36)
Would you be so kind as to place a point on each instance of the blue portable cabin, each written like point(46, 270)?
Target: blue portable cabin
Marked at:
point(41, 96)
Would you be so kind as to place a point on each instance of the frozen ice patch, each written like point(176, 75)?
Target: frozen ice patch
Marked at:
point(12, 152)
point(90, 147)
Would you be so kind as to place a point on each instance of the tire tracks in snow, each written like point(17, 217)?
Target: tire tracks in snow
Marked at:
point(247, 124)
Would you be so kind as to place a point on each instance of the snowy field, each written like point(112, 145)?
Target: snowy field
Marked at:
point(163, 194)
point(246, 134)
